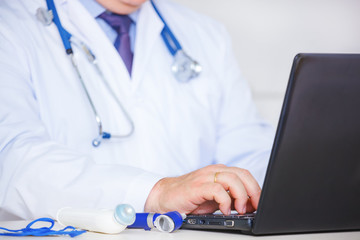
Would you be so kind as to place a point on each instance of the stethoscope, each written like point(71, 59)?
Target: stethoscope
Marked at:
point(183, 68)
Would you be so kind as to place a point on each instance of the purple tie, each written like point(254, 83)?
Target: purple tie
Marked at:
point(121, 24)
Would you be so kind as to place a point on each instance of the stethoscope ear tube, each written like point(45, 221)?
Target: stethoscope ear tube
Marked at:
point(97, 141)
point(101, 135)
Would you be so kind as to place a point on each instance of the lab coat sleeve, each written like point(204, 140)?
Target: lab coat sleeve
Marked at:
point(38, 176)
point(244, 139)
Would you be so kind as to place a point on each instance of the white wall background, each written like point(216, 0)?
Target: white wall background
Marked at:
point(267, 34)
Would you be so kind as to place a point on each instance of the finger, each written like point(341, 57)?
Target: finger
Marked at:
point(232, 183)
point(249, 207)
point(252, 187)
point(216, 192)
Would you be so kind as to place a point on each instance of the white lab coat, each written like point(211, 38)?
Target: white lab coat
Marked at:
point(47, 126)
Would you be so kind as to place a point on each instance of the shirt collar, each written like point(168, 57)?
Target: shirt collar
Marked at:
point(95, 9)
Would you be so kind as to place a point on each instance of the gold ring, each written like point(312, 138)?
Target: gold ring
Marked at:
point(215, 176)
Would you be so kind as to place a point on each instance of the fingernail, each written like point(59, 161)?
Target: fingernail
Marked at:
point(229, 212)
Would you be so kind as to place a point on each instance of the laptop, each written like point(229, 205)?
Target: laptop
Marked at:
point(312, 182)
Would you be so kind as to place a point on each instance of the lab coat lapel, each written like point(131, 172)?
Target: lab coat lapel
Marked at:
point(148, 29)
point(83, 26)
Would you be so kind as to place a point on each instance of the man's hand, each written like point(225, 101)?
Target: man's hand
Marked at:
point(206, 190)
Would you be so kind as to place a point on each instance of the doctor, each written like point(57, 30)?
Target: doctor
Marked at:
point(194, 146)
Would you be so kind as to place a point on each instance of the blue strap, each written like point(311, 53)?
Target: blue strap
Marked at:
point(43, 231)
point(167, 35)
point(65, 35)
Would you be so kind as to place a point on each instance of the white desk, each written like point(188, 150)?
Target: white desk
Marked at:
point(139, 234)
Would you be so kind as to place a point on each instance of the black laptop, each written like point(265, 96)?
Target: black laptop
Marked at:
point(312, 182)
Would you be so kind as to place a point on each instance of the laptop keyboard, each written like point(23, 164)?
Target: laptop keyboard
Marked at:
point(232, 216)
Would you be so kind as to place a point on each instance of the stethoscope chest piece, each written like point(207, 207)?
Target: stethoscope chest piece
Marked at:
point(185, 68)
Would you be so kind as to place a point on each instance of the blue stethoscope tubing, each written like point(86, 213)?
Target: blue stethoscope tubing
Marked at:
point(169, 38)
point(184, 68)
point(65, 35)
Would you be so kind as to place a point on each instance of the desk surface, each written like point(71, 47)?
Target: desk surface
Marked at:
point(139, 234)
